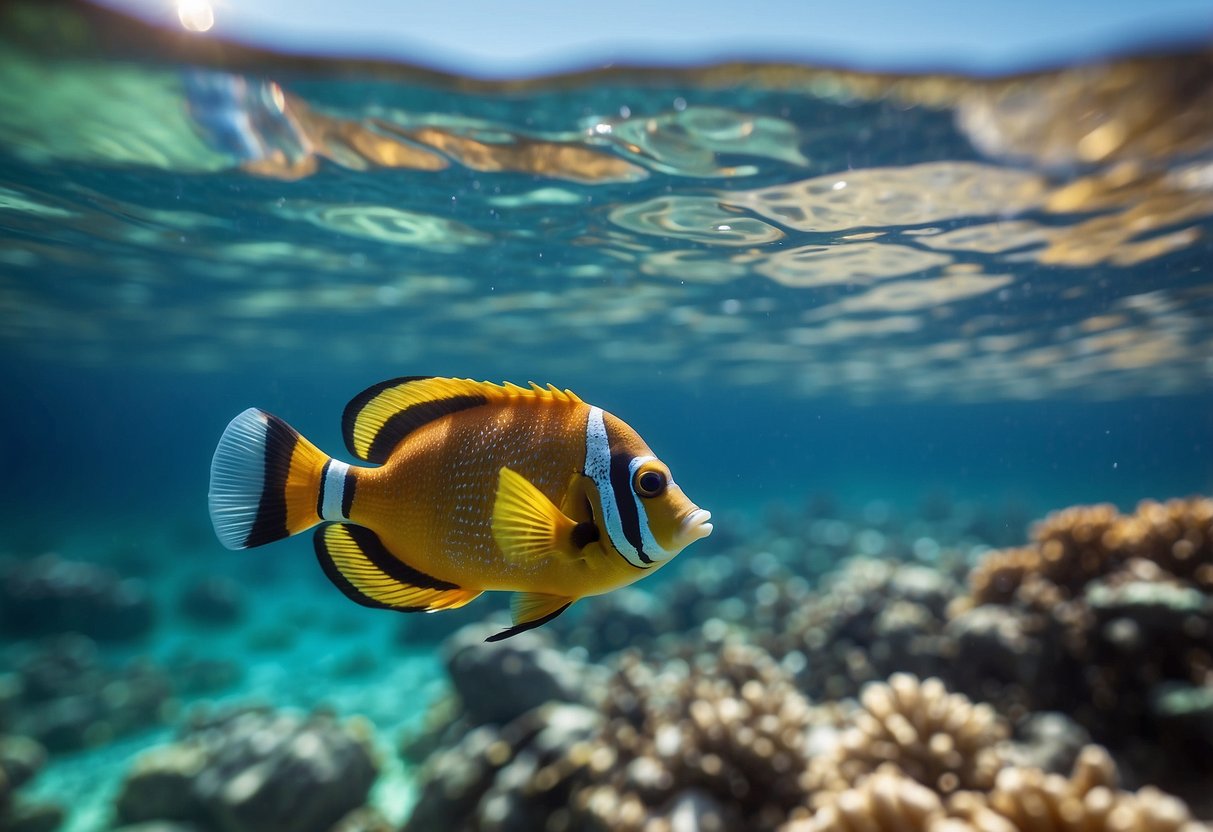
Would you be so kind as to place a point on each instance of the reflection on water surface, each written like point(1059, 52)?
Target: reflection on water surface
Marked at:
point(822, 231)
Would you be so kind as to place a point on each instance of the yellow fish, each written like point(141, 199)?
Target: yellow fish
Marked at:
point(477, 487)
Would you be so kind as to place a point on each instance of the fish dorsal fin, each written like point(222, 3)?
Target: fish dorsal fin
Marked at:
point(378, 418)
point(357, 562)
point(530, 610)
point(526, 524)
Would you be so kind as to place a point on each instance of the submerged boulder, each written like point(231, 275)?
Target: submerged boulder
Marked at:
point(49, 595)
point(501, 681)
point(63, 695)
point(254, 770)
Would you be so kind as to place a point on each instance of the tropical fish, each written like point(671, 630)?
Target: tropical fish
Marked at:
point(478, 487)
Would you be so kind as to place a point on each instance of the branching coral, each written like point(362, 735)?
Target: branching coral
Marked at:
point(940, 739)
point(1021, 800)
point(1029, 800)
point(884, 800)
point(732, 727)
point(1120, 614)
point(1080, 544)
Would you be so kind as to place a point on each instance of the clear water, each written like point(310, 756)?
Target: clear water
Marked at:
point(791, 281)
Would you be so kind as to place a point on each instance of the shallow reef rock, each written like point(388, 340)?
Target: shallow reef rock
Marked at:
point(21, 758)
point(497, 682)
point(48, 595)
point(255, 770)
point(64, 696)
point(486, 781)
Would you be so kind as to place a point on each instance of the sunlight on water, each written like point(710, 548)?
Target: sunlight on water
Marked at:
point(920, 237)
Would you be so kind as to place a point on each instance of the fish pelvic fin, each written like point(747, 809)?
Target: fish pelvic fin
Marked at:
point(530, 610)
point(526, 524)
point(357, 562)
point(268, 482)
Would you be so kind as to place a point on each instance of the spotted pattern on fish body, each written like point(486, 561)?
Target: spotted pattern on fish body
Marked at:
point(477, 487)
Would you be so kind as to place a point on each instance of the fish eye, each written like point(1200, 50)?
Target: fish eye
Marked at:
point(650, 483)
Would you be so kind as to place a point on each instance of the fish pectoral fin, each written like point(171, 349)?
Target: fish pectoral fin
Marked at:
point(530, 610)
point(357, 562)
point(526, 524)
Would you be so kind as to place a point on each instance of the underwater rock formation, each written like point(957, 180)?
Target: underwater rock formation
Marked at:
point(486, 780)
point(63, 695)
point(501, 681)
point(497, 684)
point(213, 600)
point(254, 770)
point(21, 758)
point(48, 595)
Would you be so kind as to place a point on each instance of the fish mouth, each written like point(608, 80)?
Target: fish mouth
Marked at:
point(695, 526)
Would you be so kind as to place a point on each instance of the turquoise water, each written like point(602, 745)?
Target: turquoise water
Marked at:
point(926, 302)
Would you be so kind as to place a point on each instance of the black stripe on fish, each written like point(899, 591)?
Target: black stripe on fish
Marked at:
point(529, 625)
point(270, 525)
point(350, 415)
point(629, 517)
point(404, 422)
point(324, 476)
point(387, 563)
point(341, 582)
point(347, 494)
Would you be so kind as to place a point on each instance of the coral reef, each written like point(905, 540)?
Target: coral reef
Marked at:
point(486, 780)
point(724, 734)
point(1087, 801)
point(255, 769)
point(868, 620)
point(1077, 545)
point(940, 739)
point(48, 595)
point(720, 737)
point(976, 712)
point(1108, 618)
point(1021, 800)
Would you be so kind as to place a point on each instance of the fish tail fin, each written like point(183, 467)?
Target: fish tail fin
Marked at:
point(268, 482)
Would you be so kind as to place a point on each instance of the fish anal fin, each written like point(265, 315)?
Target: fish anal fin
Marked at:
point(380, 417)
point(357, 562)
point(526, 524)
point(530, 610)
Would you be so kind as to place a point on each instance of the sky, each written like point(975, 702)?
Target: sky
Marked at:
point(509, 38)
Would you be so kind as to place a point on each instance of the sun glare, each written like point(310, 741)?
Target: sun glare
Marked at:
point(195, 15)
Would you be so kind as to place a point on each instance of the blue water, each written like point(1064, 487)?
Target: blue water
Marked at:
point(941, 307)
